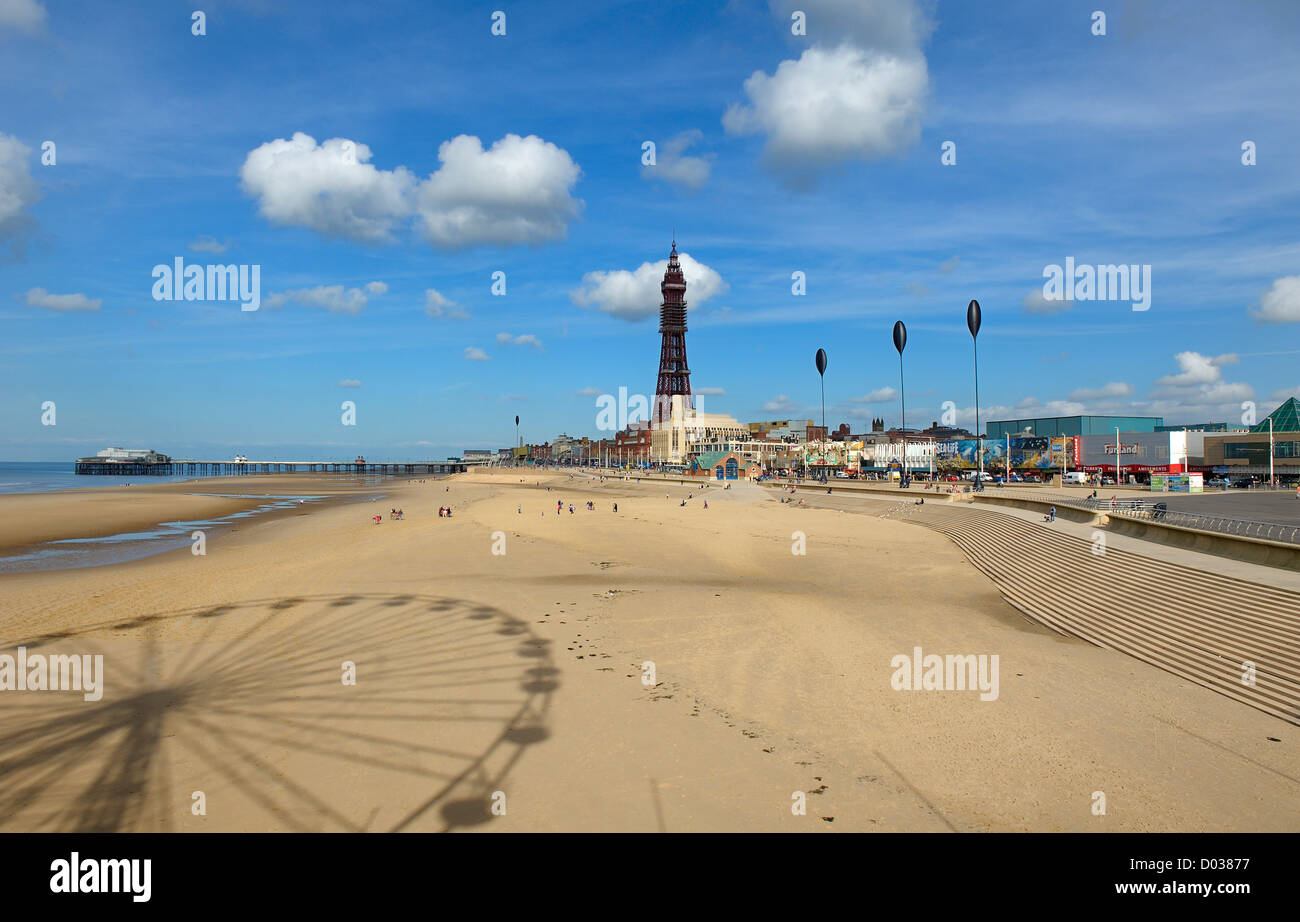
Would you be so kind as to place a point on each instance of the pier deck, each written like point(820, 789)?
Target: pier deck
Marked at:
point(181, 467)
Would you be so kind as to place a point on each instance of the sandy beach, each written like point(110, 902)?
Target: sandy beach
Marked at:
point(499, 658)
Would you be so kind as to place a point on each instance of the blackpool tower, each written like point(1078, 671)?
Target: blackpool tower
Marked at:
point(674, 374)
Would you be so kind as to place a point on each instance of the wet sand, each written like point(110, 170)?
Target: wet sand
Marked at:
point(27, 519)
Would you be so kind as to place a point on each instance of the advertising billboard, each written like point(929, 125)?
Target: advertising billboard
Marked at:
point(1178, 483)
point(1027, 452)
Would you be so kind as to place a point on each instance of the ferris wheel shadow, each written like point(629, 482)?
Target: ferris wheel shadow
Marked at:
point(249, 704)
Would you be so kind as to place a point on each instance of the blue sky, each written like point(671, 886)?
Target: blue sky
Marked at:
point(431, 153)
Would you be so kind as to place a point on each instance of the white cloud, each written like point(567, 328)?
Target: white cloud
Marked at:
point(1198, 392)
point(781, 403)
point(672, 165)
point(524, 339)
point(23, 15)
point(857, 93)
point(39, 297)
point(636, 295)
point(334, 298)
point(349, 382)
point(1281, 303)
point(949, 266)
point(18, 192)
point(709, 391)
point(517, 191)
point(879, 395)
point(437, 304)
point(206, 244)
point(588, 392)
point(1285, 392)
point(329, 188)
point(475, 354)
point(1114, 389)
point(1197, 370)
point(1030, 407)
point(897, 26)
point(1036, 303)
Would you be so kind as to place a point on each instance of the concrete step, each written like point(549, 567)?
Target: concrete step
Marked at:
point(1199, 625)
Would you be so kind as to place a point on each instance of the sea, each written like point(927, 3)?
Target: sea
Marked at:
point(72, 553)
point(43, 476)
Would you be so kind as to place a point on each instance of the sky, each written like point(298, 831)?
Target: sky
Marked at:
point(454, 218)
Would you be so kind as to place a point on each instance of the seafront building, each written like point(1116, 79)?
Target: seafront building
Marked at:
point(679, 437)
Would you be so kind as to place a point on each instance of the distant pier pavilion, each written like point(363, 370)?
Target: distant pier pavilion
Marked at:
point(125, 462)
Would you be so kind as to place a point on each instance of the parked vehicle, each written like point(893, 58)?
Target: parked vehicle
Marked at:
point(1076, 477)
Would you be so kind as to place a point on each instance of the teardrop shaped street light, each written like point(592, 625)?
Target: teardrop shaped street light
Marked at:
point(900, 343)
point(973, 319)
point(821, 373)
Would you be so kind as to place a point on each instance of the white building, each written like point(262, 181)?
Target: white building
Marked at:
point(672, 439)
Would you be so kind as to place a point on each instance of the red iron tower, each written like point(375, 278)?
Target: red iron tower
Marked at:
point(674, 375)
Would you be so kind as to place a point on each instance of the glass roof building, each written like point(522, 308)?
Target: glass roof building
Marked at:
point(1072, 425)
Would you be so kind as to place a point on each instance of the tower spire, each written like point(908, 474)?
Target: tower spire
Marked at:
point(674, 374)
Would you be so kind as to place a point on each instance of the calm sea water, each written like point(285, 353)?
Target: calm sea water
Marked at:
point(41, 476)
point(44, 476)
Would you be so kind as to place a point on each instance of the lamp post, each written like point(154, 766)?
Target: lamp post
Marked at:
point(821, 374)
point(1118, 481)
point(973, 320)
point(900, 343)
point(1270, 452)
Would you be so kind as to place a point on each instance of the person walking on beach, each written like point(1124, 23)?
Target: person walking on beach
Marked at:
point(616, 507)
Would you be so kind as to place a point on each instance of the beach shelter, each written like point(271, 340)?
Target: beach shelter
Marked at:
point(721, 465)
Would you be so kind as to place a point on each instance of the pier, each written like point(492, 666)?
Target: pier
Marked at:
point(182, 467)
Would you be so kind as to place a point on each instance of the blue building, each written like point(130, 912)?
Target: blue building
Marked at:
point(1072, 425)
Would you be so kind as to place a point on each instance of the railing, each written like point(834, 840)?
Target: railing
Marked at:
point(1159, 512)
